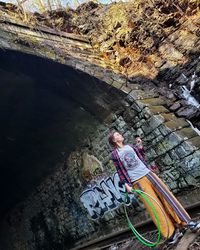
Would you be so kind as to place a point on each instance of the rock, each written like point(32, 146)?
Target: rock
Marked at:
point(175, 106)
point(186, 111)
point(91, 166)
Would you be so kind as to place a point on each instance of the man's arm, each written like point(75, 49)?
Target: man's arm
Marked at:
point(142, 152)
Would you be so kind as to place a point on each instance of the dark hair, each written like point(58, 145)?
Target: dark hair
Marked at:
point(111, 137)
point(137, 136)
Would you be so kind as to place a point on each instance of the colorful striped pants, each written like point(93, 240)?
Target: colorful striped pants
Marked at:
point(175, 213)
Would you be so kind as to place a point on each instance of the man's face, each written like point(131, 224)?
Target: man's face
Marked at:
point(117, 137)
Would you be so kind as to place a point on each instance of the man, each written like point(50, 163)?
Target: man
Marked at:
point(134, 172)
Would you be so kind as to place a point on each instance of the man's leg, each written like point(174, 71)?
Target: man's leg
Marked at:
point(176, 210)
point(167, 227)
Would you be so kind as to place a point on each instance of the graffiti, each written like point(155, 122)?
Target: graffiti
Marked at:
point(106, 196)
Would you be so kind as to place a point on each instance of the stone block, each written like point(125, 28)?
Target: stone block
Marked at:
point(116, 84)
point(186, 40)
point(159, 148)
point(125, 89)
point(159, 109)
point(183, 150)
point(169, 117)
point(156, 139)
point(80, 66)
point(135, 120)
point(120, 123)
point(175, 106)
point(171, 141)
point(166, 160)
point(173, 185)
point(176, 124)
point(191, 164)
point(129, 114)
point(156, 132)
point(140, 94)
point(146, 113)
point(152, 123)
point(149, 137)
point(150, 153)
point(186, 111)
point(107, 79)
point(140, 123)
point(164, 130)
point(195, 142)
point(118, 78)
point(154, 101)
point(136, 107)
point(99, 74)
point(187, 133)
point(172, 153)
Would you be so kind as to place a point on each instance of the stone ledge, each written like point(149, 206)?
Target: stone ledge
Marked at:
point(187, 133)
point(154, 101)
point(159, 109)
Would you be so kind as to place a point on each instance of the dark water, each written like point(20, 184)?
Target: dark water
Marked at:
point(39, 123)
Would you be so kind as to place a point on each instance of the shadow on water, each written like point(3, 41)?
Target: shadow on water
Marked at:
point(39, 125)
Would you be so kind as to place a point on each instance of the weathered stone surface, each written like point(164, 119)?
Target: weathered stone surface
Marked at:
point(154, 101)
point(140, 94)
point(195, 142)
point(172, 125)
point(191, 164)
point(129, 115)
point(171, 141)
point(158, 110)
point(175, 106)
point(116, 84)
point(183, 150)
point(169, 52)
point(166, 160)
point(152, 123)
point(186, 111)
point(164, 130)
point(159, 148)
point(172, 153)
point(187, 133)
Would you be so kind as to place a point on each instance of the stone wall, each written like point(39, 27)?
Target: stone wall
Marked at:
point(83, 200)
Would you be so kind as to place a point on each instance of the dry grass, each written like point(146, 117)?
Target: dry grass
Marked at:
point(125, 35)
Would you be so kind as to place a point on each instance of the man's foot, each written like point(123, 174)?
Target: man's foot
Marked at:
point(174, 238)
point(194, 226)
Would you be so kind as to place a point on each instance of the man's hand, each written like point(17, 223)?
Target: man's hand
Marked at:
point(138, 141)
point(154, 169)
point(128, 188)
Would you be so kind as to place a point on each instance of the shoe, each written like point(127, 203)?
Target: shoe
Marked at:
point(174, 238)
point(183, 230)
point(194, 226)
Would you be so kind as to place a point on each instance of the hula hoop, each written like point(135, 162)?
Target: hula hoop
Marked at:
point(136, 233)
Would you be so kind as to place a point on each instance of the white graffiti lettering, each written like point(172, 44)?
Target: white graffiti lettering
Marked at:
point(105, 197)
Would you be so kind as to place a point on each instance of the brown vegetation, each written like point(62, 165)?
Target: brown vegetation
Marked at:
point(126, 35)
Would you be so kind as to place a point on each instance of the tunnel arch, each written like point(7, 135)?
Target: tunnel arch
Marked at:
point(169, 140)
point(47, 109)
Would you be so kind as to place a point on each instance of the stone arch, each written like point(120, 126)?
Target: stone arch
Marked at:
point(168, 139)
